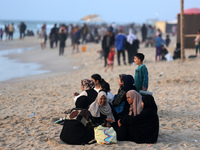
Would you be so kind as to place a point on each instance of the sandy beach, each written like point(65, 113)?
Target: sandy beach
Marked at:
point(175, 87)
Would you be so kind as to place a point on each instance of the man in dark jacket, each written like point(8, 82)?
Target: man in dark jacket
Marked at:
point(53, 36)
point(108, 40)
point(22, 29)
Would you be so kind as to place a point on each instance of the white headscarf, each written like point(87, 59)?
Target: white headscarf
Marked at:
point(95, 109)
point(131, 37)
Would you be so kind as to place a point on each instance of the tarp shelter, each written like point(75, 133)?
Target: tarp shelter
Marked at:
point(191, 26)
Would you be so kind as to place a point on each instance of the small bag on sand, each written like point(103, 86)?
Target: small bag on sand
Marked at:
point(105, 135)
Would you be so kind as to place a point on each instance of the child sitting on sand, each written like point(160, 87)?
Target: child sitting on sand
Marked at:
point(141, 73)
point(164, 51)
point(110, 59)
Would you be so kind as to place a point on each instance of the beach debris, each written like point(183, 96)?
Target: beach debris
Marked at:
point(31, 115)
point(161, 74)
point(59, 121)
point(6, 117)
point(195, 72)
point(76, 67)
point(150, 144)
point(0, 94)
point(196, 141)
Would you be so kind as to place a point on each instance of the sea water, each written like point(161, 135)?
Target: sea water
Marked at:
point(13, 68)
point(35, 26)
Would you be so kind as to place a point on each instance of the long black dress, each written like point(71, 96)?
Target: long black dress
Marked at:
point(142, 128)
point(132, 49)
point(120, 99)
point(76, 131)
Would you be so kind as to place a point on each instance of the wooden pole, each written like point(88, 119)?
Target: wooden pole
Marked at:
point(182, 31)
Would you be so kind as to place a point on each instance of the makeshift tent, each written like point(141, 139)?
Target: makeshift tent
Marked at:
point(191, 26)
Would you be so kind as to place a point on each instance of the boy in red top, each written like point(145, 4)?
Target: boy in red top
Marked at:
point(110, 59)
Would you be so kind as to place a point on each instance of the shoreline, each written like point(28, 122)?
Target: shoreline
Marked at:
point(36, 56)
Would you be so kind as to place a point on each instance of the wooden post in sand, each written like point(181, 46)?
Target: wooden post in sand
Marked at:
point(182, 31)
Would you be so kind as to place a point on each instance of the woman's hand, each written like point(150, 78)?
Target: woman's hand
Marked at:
point(76, 94)
point(119, 124)
point(144, 88)
point(109, 120)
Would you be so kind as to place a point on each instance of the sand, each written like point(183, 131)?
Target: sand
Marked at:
point(175, 86)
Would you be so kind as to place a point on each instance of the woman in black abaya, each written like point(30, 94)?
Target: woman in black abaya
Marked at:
point(142, 128)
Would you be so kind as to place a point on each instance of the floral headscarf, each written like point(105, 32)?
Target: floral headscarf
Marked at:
point(87, 84)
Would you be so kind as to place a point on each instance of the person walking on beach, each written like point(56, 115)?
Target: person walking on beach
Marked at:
point(62, 42)
point(70, 31)
point(159, 42)
point(11, 30)
point(167, 40)
point(76, 34)
point(119, 43)
point(197, 43)
point(110, 59)
point(84, 32)
point(42, 36)
point(107, 42)
point(132, 45)
point(53, 37)
point(144, 32)
point(6, 32)
point(150, 33)
point(22, 29)
point(141, 73)
point(1, 34)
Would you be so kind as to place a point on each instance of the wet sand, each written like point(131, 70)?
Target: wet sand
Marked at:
point(175, 86)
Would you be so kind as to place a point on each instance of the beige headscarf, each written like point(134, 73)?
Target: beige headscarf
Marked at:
point(136, 106)
point(95, 109)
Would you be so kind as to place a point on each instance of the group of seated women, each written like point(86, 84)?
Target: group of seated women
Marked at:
point(133, 116)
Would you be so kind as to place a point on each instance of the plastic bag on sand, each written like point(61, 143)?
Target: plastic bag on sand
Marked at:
point(105, 135)
point(168, 57)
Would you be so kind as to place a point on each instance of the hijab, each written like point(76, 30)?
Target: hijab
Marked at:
point(95, 109)
point(136, 106)
point(87, 84)
point(131, 37)
point(128, 82)
point(149, 102)
point(83, 102)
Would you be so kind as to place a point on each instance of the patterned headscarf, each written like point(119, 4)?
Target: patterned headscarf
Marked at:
point(95, 109)
point(87, 84)
point(136, 106)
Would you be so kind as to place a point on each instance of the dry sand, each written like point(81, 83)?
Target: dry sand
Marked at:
point(175, 86)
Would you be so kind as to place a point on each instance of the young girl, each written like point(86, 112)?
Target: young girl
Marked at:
point(110, 59)
point(197, 42)
point(96, 78)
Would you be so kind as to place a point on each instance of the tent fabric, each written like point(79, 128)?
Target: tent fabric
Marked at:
point(192, 11)
point(191, 27)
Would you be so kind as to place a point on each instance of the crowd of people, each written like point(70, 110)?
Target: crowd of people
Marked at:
point(132, 115)
point(122, 37)
point(9, 30)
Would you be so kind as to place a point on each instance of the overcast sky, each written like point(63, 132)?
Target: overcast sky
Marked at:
point(120, 11)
